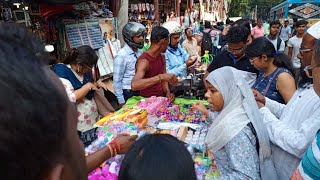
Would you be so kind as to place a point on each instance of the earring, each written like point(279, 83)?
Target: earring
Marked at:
point(78, 68)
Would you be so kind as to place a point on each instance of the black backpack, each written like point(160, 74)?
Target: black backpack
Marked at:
point(279, 41)
point(206, 42)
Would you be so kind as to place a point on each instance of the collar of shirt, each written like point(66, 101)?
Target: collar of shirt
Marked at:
point(177, 51)
point(131, 52)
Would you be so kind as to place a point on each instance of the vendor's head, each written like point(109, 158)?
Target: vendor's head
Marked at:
point(134, 34)
point(314, 69)
point(38, 136)
point(175, 30)
point(160, 38)
point(157, 157)
point(263, 55)
point(81, 59)
point(274, 28)
point(237, 38)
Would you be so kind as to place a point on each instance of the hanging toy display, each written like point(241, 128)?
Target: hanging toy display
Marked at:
point(207, 58)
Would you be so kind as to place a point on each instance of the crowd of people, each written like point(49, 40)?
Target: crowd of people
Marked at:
point(264, 103)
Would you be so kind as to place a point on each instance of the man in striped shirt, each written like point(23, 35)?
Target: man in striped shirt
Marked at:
point(292, 127)
point(309, 167)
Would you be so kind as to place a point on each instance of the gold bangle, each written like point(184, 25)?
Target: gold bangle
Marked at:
point(159, 77)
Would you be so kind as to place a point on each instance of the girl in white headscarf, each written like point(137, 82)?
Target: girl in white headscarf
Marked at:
point(237, 136)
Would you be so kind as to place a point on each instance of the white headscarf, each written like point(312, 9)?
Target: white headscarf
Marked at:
point(239, 109)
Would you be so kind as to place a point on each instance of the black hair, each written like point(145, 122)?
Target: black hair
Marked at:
point(158, 33)
point(301, 22)
point(207, 24)
point(33, 110)
point(295, 19)
point(83, 55)
point(243, 22)
point(228, 21)
point(157, 157)
point(185, 31)
point(262, 46)
point(275, 23)
point(286, 21)
point(237, 34)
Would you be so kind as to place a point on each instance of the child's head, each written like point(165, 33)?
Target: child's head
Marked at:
point(223, 87)
point(214, 97)
point(157, 157)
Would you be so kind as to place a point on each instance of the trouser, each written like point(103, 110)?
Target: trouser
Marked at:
point(87, 137)
point(128, 93)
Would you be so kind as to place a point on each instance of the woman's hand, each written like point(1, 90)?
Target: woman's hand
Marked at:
point(125, 141)
point(99, 83)
point(90, 86)
point(200, 107)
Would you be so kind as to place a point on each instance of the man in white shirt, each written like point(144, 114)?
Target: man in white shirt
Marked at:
point(292, 127)
point(273, 37)
point(294, 46)
point(285, 31)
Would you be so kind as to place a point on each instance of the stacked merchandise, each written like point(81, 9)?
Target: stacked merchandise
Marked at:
point(142, 11)
point(186, 126)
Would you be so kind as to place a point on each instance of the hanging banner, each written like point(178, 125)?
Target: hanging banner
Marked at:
point(306, 10)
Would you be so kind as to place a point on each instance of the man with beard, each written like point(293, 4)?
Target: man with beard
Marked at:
point(292, 127)
point(305, 169)
point(177, 59)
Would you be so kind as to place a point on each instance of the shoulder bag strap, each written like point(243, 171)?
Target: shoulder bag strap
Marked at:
point(270, 81)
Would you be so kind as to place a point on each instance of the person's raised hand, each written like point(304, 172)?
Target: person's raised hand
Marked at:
point(191, 61)
point(170, 96)
point(125, 141)
point(170, 78)
point(200, 107)
point(91, 86)
point(99, 83)
point(259, 97)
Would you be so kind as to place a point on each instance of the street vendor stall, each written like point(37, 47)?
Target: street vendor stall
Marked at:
point(142, 116)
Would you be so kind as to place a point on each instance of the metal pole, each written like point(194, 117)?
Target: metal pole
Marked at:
point(256, 11)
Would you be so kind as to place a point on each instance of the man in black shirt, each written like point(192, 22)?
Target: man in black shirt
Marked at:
point(237, 39)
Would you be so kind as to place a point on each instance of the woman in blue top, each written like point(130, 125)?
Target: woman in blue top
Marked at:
point(275, 79)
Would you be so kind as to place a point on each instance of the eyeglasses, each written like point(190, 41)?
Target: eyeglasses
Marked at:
point(308, 70)
point(253, 59)
point(236, 50)
point(302, 51)
point(88, 66)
